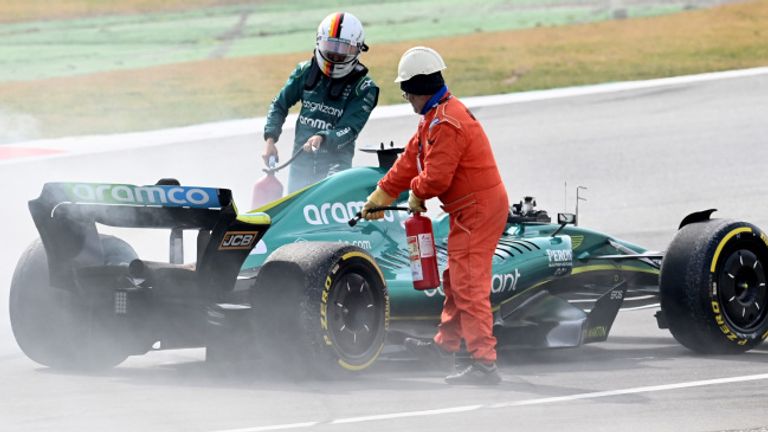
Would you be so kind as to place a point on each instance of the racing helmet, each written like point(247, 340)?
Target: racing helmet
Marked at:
point(419, 61)
point(340, 40)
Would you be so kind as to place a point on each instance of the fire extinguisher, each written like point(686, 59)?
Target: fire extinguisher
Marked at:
point(421, 250)
point(269, 188)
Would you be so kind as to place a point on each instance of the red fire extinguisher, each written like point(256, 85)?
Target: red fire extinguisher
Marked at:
point(267, 188)
point(421, 249)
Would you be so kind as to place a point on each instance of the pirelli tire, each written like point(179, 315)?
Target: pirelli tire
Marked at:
point(59, 328)
point(321, 308)
point(713, 286)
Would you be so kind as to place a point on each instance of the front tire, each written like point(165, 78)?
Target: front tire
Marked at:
point(321, 306)
point(713, 286)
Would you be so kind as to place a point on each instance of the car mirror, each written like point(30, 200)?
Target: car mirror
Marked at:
point(566, 218)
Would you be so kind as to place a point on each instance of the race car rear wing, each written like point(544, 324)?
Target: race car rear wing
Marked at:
point(66, 215)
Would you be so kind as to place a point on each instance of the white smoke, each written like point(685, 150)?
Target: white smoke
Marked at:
point(16, 127)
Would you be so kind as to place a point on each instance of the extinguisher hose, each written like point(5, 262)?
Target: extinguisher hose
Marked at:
point(359, 215)
point(275, 169)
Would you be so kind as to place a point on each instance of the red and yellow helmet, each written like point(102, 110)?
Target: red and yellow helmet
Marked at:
point(340, 40)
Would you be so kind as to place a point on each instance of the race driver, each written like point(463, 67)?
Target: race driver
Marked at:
point(336, 96)
point(449, 157)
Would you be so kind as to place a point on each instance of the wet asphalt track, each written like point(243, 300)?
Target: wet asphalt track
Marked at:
point(648, 158)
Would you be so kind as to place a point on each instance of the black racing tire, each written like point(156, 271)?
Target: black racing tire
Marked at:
point(713, 286)
point(320, 308)
point(57, 327)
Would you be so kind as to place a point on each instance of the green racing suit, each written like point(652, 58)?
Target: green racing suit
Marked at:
point(335, 109)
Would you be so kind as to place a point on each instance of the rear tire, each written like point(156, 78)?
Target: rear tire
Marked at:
point(713, 286)
point(321, 307)
point(57, 327)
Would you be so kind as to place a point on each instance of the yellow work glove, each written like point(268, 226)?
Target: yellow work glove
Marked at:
point(378, 198)
point(416, 204)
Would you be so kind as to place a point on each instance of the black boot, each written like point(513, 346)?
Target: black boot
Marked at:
point(429, 352)
point(477, 373)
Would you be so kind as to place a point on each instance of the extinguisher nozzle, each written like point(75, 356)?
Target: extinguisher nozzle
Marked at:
point(352, 222)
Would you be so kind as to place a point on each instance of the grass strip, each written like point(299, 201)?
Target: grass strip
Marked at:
point(727, 37)
point(91, 44)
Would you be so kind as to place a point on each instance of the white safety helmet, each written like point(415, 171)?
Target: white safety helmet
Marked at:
point(340, 40)
point(419, 61)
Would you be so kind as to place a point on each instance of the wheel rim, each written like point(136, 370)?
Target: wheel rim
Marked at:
point(742, 292)
point(353, 318)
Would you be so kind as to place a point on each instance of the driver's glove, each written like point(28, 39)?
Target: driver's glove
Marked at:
point(378, 198)
point(416, 204)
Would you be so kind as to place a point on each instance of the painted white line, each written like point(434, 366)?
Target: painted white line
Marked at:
point(608, 88)
point(273, 428)
point(95, 144)
point(636, 390)
point(75, 146)
point(512, 404)
point(407, 414)
point(650, 306)
point(640, 297)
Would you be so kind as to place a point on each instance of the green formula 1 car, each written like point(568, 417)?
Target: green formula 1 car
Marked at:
point(294, 281)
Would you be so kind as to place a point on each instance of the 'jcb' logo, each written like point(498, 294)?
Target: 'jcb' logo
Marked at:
point(238, 240)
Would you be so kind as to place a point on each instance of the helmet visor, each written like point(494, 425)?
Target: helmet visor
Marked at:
point(337, 50)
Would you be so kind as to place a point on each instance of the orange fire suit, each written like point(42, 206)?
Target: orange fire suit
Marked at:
point(450, 157)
